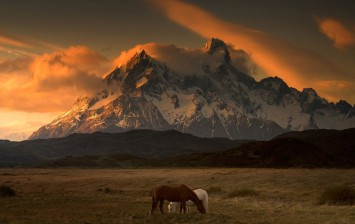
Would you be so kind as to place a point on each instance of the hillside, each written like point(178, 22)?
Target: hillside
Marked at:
point(308, 149)
point(143, 143)
point(147, 148)
point(311, 148)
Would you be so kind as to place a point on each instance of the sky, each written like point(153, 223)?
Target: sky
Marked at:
point(52, 52)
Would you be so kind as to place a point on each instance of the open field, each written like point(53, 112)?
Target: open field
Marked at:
point(123, 195)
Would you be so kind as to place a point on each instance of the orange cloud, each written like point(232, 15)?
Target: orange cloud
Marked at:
point(15, 52)
point(4, 40)
point(79, 66)
point(297, 66)
point(337, 32)
point(51, 82)
point(23, 46)
point(25, 42)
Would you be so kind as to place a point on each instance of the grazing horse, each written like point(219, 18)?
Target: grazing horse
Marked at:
point(175, 194)
point(201, 194)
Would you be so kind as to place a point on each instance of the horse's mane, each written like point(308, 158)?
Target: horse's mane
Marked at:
point(191, 191)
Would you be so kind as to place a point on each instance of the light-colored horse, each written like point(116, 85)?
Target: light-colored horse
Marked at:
point(201, 194)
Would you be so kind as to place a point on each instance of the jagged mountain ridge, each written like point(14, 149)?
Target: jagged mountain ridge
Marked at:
point(218, 101)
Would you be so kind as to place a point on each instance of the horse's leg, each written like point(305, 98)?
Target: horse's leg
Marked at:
point(154, 205)
point(184, 206)
point(205, 203)
point(180, 207)
point(161, 206)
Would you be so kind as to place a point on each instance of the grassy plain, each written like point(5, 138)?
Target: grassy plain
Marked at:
point(283, 196)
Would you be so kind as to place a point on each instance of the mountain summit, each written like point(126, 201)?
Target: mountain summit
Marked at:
point(219, 101)
point(214, 45)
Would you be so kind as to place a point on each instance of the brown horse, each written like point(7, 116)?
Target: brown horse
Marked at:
point(175, 194)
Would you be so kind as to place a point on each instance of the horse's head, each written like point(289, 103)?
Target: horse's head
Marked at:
point(200, 207)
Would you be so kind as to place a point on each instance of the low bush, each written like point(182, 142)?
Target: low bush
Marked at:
point(106, 190)
point(339, 195)
point(244, 192)
point(7, 191)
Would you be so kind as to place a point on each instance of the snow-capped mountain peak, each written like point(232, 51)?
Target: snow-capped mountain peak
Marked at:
point(218, 101)
point(140, 58)
point(133, 75)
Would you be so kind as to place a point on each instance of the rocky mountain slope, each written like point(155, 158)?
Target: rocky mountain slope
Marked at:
point(217, 101)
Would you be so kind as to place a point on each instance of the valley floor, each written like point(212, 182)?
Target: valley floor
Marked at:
point(123, 195)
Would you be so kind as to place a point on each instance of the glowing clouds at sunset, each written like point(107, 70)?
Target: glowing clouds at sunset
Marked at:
point(76, 66)
point(342, 36)
point(299, 67)
point(23, 46)
point(4, 40)
point(52, 81)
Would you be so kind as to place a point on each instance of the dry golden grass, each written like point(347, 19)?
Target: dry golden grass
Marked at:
point(123, 196)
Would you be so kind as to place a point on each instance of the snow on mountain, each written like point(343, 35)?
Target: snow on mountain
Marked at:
point(217, 100)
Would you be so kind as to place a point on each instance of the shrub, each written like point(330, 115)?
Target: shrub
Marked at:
point(214, 190)
point(244, 192)
point(108, 190)
point(339, 195)
point(7, 191)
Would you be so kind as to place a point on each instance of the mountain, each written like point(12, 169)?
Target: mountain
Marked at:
point(137, 144)
point(216, 100)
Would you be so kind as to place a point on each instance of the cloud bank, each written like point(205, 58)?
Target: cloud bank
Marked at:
point(51, 82)
point(299, 67)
